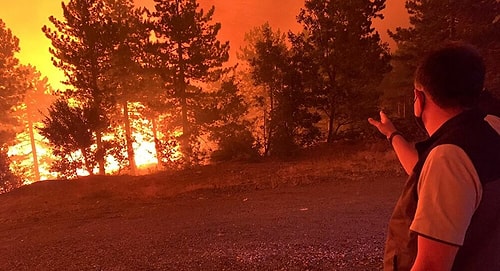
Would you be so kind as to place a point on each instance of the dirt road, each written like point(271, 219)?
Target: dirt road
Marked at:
point(330, 225)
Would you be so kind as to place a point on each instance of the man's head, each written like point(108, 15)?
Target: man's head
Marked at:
point(453, 76)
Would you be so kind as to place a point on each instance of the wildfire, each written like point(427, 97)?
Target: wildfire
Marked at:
point(144, 154)
point(21, 155)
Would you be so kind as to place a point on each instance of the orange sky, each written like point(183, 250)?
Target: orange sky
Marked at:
point(26, 17)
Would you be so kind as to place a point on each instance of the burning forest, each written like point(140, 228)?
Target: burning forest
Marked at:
point(156, 88)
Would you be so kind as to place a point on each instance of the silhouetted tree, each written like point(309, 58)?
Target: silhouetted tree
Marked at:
point(11, 92)
point(288, 122)
point(435, 22)
point(70, 133)
point(266, 53)
point(230, 129)
point(130, 75)
point(350, 56)
point(85, 44)
point(8, 180)
point(37, 98)
point(187, 56)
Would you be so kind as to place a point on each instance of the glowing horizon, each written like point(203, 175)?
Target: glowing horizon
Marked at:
point(26, 17)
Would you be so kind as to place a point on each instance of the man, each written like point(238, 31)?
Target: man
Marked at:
point(448, 215)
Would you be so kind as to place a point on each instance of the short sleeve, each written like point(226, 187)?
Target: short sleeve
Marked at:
point(449, 192)
point(494, 122)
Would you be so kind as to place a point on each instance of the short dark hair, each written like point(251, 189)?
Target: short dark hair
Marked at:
point(453, 75)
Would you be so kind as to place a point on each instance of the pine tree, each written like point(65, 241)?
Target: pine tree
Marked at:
point(436, 22)
point(37, 98)
point(11, 93)
point(187, 55)
point(130, 76)
point(350, 56)
point(69, 131)
point(86, 45)
point(229, 127)
point(288, 122)
point(267, 54)
point(10, 77)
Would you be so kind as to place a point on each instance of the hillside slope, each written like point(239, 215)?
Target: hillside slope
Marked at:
point(325, 210)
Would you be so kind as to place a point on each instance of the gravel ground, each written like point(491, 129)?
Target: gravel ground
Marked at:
point(330, 225)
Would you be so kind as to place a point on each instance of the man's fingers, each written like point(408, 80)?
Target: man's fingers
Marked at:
point(374, 122)
point(383, 117)
point(384, 126)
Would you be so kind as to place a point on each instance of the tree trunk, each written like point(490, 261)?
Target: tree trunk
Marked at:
point(100, 153)
point(404, 109)
point(128, 138)
point(331, 130)
point(36, 169)
point(97, 96)
point(332, 76)
point(186, 131)
point(86, 162)
point(156, 141)
point(270, 123)
point(266, 134)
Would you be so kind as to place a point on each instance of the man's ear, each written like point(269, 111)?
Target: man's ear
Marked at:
point(420, 95)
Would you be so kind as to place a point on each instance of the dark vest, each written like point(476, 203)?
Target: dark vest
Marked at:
point(481, 248)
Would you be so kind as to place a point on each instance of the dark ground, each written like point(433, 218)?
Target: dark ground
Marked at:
point(314, 221)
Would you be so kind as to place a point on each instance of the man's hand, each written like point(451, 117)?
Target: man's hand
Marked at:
point(406, 152)
point(384, 126)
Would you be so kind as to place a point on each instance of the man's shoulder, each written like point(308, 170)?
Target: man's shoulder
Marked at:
point(478, 142)
point(486, 130)
point(448, 152)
